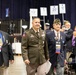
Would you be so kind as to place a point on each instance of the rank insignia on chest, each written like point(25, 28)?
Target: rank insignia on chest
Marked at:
point(32, 35)
point(43, 34)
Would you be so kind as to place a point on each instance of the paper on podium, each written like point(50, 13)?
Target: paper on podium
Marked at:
point(44, 68)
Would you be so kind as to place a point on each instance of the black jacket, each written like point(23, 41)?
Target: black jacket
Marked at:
point(54, 58)
point(6, 53)
point(74, 48)
point(69, 33)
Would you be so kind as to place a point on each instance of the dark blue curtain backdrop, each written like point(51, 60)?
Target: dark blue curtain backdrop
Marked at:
point(19, 9)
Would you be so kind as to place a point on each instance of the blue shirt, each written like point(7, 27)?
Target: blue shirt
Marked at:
point(1, 37)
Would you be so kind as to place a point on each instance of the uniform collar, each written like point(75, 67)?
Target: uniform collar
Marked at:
point(35, 30)
point(56, 31)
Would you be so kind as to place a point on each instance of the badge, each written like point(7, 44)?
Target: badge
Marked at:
point(56, 38)
point(62, 41)
point(43, 35)
point(32, 35)
point(58, 47)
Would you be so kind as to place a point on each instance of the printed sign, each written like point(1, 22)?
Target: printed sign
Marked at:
point(43, 11)
point(62, 8)
point(33, 12)
point(54, 10)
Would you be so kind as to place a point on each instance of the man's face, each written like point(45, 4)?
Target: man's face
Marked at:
point(46, 27)
point(36, 23)
point(74, 33)
point(57, 26)
point(67, 25)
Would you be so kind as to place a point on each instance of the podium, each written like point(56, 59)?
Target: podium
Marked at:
point(16, 47)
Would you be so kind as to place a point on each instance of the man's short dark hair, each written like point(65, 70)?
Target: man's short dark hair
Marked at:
point(35, 18)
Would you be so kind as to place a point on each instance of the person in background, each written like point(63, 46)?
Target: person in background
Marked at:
point(69, 32)
point(56, 40)
point(62, 28)
point(74, 42)
point(34, 48)
point(74, 47)
point(66, 28)
point(75, 28)
point(6, 53)
point(47, 26)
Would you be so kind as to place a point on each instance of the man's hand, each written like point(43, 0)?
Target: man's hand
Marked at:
point(11, 61)
point(27, 61)
point(62, 30)
point(65, 62)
